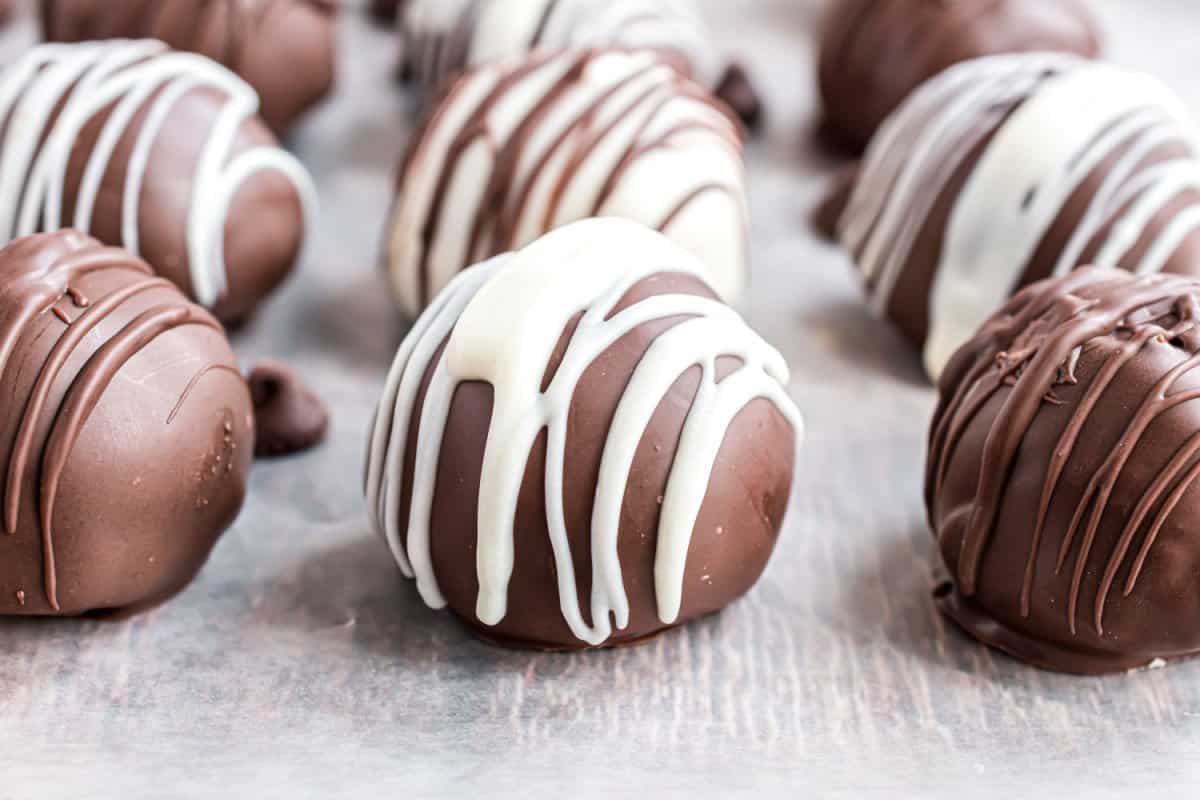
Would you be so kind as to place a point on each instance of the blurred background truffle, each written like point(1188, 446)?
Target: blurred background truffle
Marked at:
point(1008, 169)
point(283, 48)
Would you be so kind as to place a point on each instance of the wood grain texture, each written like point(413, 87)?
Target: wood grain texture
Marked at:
point(299, 665)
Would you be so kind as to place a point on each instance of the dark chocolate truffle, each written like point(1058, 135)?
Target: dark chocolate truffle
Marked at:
point(126, 429)
point(445, 37)
point(282, 48)
point(875, 53)
point(1062, 475)
point(580, 446)
point(1009, 169)
point(518, 148)
point(156, 151)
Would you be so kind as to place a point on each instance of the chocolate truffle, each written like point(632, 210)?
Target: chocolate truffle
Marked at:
point(875, 53)
point(580, 446)
point(126, 429)
point(1009, 169)
point(1062, 476)
point(445, 37)
point(518, 148)
point(156, 151)
point(386, 10)
point(282, 48)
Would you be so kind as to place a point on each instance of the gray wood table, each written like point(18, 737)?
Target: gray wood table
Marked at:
point(300, 665)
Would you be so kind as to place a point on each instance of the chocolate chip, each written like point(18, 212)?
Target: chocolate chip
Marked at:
point(289, 416)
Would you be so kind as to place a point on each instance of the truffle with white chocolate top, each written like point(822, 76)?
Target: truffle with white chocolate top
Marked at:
point(282, 48)
point(579, 445)
point(126, 429)
point(875, 53)
point(158, 152)
point(446, 37)
point(1009, 169)
point(518, 148)
point(1062, 474)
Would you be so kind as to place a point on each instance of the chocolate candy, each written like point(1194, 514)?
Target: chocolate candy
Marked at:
point(518, 148)
point(282, 48)
point(443, 38)
point(126, 429)
point(156, 151)
point(1009, 169)
point(579, 445)
point(1062, 473)
point(875, 53)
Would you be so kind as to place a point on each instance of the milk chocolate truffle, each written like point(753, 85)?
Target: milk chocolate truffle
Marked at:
point(580, 446)
point(518, 148)
point(156, 151)
point(445, 37)
point(1062, 477)
point(875, 53)
point(126, 430)
point(1009, 169)
point(282, 48)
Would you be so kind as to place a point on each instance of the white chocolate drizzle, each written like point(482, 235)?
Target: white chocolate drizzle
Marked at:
point(48, 97)
point(1053, 120)
point(501, 322)
point(517, 149)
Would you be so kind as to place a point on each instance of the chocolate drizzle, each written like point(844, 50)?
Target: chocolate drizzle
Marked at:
point(25, 296)
point(1058, 357)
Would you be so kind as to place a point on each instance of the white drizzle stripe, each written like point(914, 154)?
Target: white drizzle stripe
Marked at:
point(688, 163)
point(1056, 119)
point(504, 320)
point(82, 81)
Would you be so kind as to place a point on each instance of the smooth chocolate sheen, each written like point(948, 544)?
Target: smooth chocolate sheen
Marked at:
point(579, 446)
point(1009, 169)
point(158, 152)
point(520, 147)
point(282, 48)
point(126, 430)
point(875, 53)
point(1062, 473)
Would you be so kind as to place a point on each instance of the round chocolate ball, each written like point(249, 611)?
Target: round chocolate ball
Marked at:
point(158, 152)
point(1062, 473)
point(875, 53)
point(282, 48)
point(580, 446)
point(126, 429)
point(518, 148)
point(1009, 169)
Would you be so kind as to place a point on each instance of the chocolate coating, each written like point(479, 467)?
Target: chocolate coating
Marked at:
point(1062, 473)
point(1005, 170)
point(126, 430)
point(283, 48)
point(589, 382)
point(159, 152)
point(874, 53)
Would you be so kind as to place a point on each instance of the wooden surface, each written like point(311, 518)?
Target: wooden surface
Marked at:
point(299, 665)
